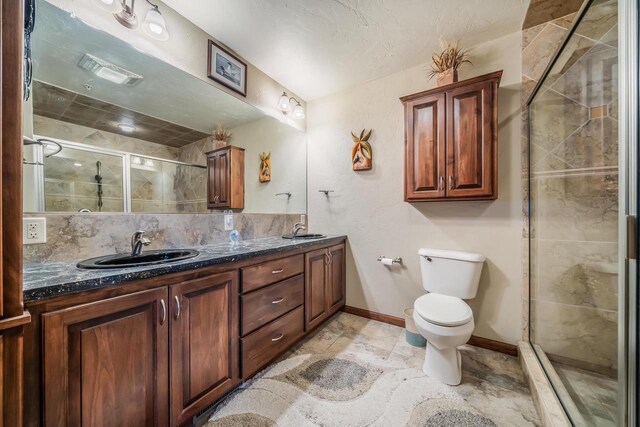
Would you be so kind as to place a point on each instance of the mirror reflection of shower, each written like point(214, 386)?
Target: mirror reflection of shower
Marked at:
point(99, 182)
point(86, 178)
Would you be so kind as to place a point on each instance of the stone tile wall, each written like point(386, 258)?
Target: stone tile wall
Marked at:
point(81, 236)
point(574, 189)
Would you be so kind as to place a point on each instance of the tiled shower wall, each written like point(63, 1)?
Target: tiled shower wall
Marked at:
point(80, 236)
point(574, 185)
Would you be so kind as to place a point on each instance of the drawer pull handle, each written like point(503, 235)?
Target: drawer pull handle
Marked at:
point(278, 338)
point(277, 301)
point(277, 271)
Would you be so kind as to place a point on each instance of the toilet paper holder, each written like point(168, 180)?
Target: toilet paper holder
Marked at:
point(397, 260)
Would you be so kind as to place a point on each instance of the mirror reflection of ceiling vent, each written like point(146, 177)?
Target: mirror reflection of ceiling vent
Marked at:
point(109, 71)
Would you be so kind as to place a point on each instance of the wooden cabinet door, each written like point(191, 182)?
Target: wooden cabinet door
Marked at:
point(204, 342)
point(106, 364)
point(218, 179)
point(471, 134)
point(316, 272)
point(336, 289)
point(425, 148)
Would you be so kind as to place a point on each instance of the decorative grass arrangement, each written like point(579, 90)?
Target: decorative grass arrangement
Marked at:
point(221, 134)
point(445, 63)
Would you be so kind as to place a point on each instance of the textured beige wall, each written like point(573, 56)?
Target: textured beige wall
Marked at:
point(369, 207)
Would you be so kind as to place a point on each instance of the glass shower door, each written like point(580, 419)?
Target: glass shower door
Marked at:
point(574, 210)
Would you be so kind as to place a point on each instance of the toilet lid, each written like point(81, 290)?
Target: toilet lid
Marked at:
point(443, 310)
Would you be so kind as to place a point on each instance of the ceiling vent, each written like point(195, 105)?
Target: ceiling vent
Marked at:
point(109, 71)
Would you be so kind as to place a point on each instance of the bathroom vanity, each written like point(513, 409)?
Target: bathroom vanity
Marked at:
point(161, 344)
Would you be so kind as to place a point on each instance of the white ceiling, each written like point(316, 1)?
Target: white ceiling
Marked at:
point(318, 47)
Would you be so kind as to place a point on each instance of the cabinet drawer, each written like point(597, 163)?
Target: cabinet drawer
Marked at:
point(262, 306)
point(260, 275)
point(268, 342)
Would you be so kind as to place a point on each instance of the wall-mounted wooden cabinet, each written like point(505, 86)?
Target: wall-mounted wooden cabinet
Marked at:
point(451, 141)
point(225, 178)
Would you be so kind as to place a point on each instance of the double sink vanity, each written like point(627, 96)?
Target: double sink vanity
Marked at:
point(163, 342)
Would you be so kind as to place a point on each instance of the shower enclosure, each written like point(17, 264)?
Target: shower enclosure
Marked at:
point(86, 178)
point(576, 198)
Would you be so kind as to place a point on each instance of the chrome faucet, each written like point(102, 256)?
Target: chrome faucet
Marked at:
point(297, 227)
point(137, 242)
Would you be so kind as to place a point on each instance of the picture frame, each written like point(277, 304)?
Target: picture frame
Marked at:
point(226, 68)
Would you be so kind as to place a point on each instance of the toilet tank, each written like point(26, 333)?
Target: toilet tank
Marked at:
point(452, 273)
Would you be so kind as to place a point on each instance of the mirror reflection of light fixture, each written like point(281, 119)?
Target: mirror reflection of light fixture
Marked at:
point(112, 6)
point(285, 103)
point(154, 24)
point(124, 127)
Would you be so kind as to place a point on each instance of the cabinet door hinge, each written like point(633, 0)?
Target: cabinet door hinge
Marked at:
point(632, 237)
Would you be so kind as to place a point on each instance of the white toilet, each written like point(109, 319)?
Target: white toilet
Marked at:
point(441, 316)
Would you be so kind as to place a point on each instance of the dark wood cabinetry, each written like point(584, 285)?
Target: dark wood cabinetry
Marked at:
point(204, 342)
point(451, 141)
point(324, 284)
point(159, 351)
point(105, 363)
point(225, 178)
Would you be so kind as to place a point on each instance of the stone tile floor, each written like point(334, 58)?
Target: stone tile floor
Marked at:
point(594, 395)
point(359, 372)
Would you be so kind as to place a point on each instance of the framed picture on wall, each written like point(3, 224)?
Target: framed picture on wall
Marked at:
point(227, 69)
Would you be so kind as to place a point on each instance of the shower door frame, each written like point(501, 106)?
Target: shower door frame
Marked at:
point(628, 212)
point(628, 230)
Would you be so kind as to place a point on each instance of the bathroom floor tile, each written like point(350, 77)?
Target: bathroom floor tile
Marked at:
point(359, 372)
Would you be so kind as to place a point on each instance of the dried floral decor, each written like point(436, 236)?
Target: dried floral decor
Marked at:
point(445, 63)
point(265, 167)
point(222, 136)
point(361, 153)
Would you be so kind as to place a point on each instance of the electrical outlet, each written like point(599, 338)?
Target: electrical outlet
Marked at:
point(303, 219)
point(34, 230)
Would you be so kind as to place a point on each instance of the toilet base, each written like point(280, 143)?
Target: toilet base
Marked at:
point(443, 365)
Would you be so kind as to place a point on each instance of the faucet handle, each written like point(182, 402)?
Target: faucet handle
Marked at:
point(145, 241)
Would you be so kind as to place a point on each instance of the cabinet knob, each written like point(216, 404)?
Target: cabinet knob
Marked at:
point(277, 300)
point(451, 181)
point(277, 271)
point(441, 186)
point(278, 338)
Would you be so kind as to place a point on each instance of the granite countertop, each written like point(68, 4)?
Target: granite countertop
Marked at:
point(48, 280)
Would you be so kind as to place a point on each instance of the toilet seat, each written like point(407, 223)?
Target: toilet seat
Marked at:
point(443, 310)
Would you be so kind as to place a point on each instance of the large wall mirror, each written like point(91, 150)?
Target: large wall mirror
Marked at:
point(122, 131)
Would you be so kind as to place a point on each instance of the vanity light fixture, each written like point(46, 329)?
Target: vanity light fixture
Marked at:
point(124, 127)
point(127, 17)
point(285, 104)
point(153, 24)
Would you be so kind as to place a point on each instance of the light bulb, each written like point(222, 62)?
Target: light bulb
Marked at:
point(284, 102)
point(154, 25)
point(298, 111)
point(126, 128)
point(109, 5)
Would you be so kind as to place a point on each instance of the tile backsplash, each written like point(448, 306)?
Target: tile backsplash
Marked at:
point(79, 236)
